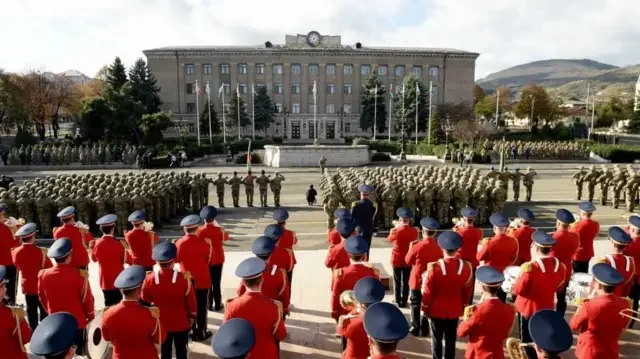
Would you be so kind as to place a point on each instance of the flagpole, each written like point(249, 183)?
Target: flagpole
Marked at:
point(430, 93)
point(209, 102)
point(238, 106)
point(315, 110)
point(390, 108)
point(375, 112)
point(417, 110)
point(224, 121)
point(198, 111)
point(253, 110)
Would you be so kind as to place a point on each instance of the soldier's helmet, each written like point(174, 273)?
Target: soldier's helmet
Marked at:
point(529, 169)
point(592, 167)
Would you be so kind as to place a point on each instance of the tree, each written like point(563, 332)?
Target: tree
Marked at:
point(535, 97)
point(144, 87)
point(13, 102)
point(374, 104)
point(152, 125)
point(406, 101)
point(478, 94)
point(204, 120)
point(39, 98)
point(125, 115)
point(485, 108)
point(634, 123)
point(94, 118)
point(64, 98)
point(612, 111)
point(232, 115)
point(116, 76)
point(264, 109)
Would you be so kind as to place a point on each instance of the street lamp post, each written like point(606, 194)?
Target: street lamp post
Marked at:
point(447, 127)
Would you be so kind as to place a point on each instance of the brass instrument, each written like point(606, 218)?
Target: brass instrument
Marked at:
point(515, 223)
point(148, 226)
point(81, 226)
point(515, 348)
point(625, 314)
point(468, 311)
point(457, 222)
point(348, 300)
point(14, 224)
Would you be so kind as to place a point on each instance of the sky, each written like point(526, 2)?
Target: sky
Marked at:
point(85, 35)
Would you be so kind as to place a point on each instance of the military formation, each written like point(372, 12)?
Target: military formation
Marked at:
point(617, 183)
point(264, 182)
point(66, 154)
point(540, 150)
point(429, 191)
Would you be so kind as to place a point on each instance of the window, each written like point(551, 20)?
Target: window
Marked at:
point(278, 88)
point(400, 71)
point(191, 89)
point(295, 108)
point(206, 69)
point(434, 91)
point(226, 88)
point(279, 107)
point(347, 108)
point(313, 69)
point(312, 108)
point(417, 71)
point(191, 128)
point(348, 70)
point(225, 108)
point(191, 107)
point(434, 71)
point(331, 108)
point(331, 69)
point(259, 69)
point(331, 89)
point(242, 69)
point(224, 69)
point(364, 70)
point(244, 88)
point(295, 88)
point(347, 89)
point(347, 127)
point(277, 69)
point(259, 86)
point(382, 70)
point(189, 69)
point(295, 69)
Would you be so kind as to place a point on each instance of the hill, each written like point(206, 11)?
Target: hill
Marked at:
point(619, 82)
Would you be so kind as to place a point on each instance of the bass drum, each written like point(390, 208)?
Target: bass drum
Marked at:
point(97, 347)
point(579, 288)
point(511, 274)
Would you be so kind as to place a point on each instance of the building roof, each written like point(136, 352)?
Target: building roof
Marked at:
point(73, 73)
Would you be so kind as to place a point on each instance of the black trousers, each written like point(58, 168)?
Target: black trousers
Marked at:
point(561, 300)
point(502, 295)
point(80, 342)
point(200, 325)
point(473, 286)
point(290, 278)
point(634, 295)
point(443, 329)
point(112, 297)
point(35, 311)
point(179, 340)
point(401, 284)
point(367, 237)
point(216, 293)
point(525, 336)
point(419, 324)
point(11, 278)
point(580, 266)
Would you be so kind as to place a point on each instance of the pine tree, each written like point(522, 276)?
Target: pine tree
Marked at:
point(232, 114)
point(369, 113)
point(144, 86)
point(634, 123)
point(264, 108)
point(204, 120)
point(408, 102)
point(116, 75)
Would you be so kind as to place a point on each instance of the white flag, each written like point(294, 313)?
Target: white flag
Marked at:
point(220, 90)
point(417, 89)
point(238, 89)
point(208, 88)
point(253, 89)
point(374, 90)
point(315, 90)
point(197, 87)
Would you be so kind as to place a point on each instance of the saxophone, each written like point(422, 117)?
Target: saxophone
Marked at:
point(515, 348)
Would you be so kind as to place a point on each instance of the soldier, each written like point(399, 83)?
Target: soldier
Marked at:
point(219, 183)
point(140, 241)
point(631, 191)
point(262, 182)
point(363, 212)
point(409, 196)
point(591, 178)
point(579, 178)
point(605, 181)
point(499, 198)
point(501, 250)
point(44, 204)
point(79, 237)
point(323, 163)
point(619, 181)
point(330, 205)
point(83, 204)
point(111, 255)
point(195, 194)
point(276, 186)
point(528, 182)
point(443, 202)
point(122, 206)
point(516, 178)
point(587, 229)
point(480, 198)
point(389, 199)
point(234, 339)
point(427, 194)
point(248, 182)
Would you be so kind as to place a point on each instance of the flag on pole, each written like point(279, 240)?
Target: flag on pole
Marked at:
point(221, 90)
point(249, 157)
point(197, 88)
point(238, 89)
point(208, 88)
point(315, 89)
point(417, 90)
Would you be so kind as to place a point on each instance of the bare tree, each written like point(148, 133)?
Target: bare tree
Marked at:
point(62, 97)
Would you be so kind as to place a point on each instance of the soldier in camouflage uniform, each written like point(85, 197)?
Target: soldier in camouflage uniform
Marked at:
point(330, 203)
point(605, 181)
point(591, 178)
point(516, 178)
point(122, 207)
point(83, 206)
point(45, 215)
point(389, 199)
point(276, 186)
point(195, 196)
point(619, 181)
point(578, 177)
point(249, 183)
point(528, 181)
point(235, 182)
point(263, 182)
point(631, 191)
point(219, 183)
point(443, 202)
point(499, 198)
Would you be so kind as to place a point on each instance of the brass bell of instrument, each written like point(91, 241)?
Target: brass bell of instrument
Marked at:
point(348, 300)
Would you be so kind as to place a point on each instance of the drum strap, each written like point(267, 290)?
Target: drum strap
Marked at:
point(543, 269)
point(541, 265)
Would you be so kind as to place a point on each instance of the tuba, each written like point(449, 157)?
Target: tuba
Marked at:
point(515, 348)
point(348, 300)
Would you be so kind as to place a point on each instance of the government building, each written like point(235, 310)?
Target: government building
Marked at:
point(289, 72)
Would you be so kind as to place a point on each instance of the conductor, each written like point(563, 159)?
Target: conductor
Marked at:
point(362, 213)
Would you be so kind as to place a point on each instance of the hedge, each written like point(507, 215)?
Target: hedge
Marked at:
point(242, 159)
point(380, 157)
point(393, 147)
point(616, 153)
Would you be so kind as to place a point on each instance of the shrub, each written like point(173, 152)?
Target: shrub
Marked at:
point(25, 138)
point(380, 157)
point(242, 159)
point(616, 153)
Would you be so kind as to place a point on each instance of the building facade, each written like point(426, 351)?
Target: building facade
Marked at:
point(290, 71)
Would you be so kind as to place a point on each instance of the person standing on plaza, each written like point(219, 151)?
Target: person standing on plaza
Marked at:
point(79, 237)
point(8, 242)
point(288, 240)
point(587, 230)
point(522, 233)
point(471, 237)
point(401, 238)
point(386, 326)
point(567, 243)
point(363, 212)
point(15, 332)
point(214, 236)
point(140, 240)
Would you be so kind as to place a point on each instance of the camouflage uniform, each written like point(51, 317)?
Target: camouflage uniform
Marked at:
point(248, 182)
point(579, 180)
point(235, 182)
point(276, 187)
point(263, 182)
point(219, 183)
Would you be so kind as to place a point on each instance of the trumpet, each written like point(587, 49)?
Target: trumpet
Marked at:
point(348, 300)
point(457, 222)
point(148, 226)
point(628, 313)
point(515, 223)
point(82, 226)
point(515, 348)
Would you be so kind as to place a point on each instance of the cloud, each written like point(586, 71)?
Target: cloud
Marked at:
point(80, 34)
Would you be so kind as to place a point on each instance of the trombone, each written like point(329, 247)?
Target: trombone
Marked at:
point(629, 313)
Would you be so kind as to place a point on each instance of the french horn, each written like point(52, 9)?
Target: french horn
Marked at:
point(348, 300)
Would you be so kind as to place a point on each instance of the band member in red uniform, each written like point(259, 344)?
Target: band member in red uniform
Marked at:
point(421, 253)
point(80, 239)
point(111, 255)
point(214, 236)
point(133, 329)
point(587, 230)
point(346, 278)
point(401, 237)
point(523, 235)
point(501, 250)
point(550, 333)
point(264, 314)
point(598, 320)
point(624, 264)
point(54, 337)
point(8, 242)
point(471, 237)
point(288, 240)
point(447, 289)
point(633, 250)
point(537, 284)
point(333, 237)
point(140, 241)
point(337, 257)
point(172, 292)
point(488, 323)
point(64, 288)
point(386, 326)
point(367, 291)
point(234, 339)
point(274, 280)
point(15, 332)
point(566, 245)
point(30, 259)
point(193, 256)
point(280, 256)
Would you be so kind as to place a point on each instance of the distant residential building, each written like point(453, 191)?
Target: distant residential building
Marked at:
point(76, 77)
point(574, 104)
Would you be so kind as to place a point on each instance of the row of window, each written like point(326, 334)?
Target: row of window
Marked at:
point(296, 69)
point(295, 89)
point(295, 108)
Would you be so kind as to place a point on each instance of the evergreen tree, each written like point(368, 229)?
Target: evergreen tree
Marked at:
point(408, 102)
point(265, 109)
point(152, 125)
point(116, 75)
point(144, 86)
point(204, 120)
point(232, 115)
point(634, 123)
point(369, 113)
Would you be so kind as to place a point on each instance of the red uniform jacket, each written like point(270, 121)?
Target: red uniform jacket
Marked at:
point(600, 325)
point(64, 288)
point(141, 244)
point(587, 230)
point(523, 235)
point(111, 256)
point(215, 236)
point(499, 251)
point(171, 291)
point(447, 288)
point(193, 256)
point(283, 258)
point(333, 237)
point(537, 285)
point(566, 245)
point(487, 328)
point(14, 332)
point(133, 330)
point(471, 236)
point(388, 356)
point(29, 259)
point(627, 267)
point(275, 285)
point(345, 279)
point(633, 249)
point(265, 315)
point(7, 242)
point(421, 253)
point(337, 257)
point(401, 237)
point(288, 241)
point(79, 241)
point(351, 327)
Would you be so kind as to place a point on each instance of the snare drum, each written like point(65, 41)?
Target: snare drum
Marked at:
point(511, 273)
point(579, 287)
